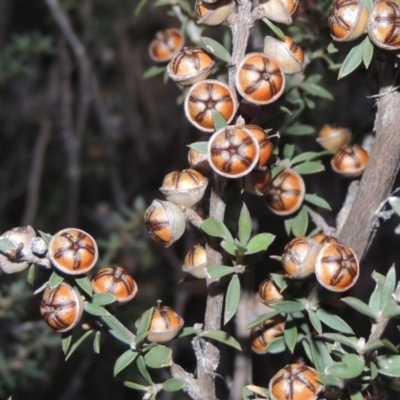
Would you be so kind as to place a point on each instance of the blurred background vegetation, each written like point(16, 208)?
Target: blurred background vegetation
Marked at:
point(85, 141)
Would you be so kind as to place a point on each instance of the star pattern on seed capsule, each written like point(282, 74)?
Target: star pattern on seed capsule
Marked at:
point(390, 19)
point(277, 191)
point(336, 14)
point(191, 55)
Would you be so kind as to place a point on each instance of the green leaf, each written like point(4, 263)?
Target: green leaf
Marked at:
point(143, 326)
point(103, 299)
point(331, 48)
point(306, 156)
point(141, 365)
point(187, 331)
point(375, 299)
point(369, 4)
point(201, 147)
point(350, 367)
point(359, 306)
point(214, 227)
point(218, 271)
point(158, 357)
point(288, 151)
point(288, 226)
point(232, 299)
point(95, 310)
point(300, 130)
point(390, 346)
point(229, 247)
point(367, 51)
point(244, 225)
point(345, 340)
point(315, 322)
point(259, 243)
point(300, 223)
point(6, 244)
point(45, 236)
point(288, 306)
point(261, 319)
point(275, 171)
point(290, 334)
point(216, 49)
point(133, 385)
point(351, 62)
point(66, 341)
point(78, 343)
point(309, 167)
point(389, 365)
point(317, 355)
point(218, 120)
point(85, 284)
point(388, 288)
point(330, 380)
point(333, 321)
point(223, 337)
point(153, 71)
point(139, 7)
point(392, 311)
point(117, 329)
point(31, 275)
point(274, 29)
point(173, 385)
point(374, 370)
point(276, 346)
point(316, 90)
point(324, 355)
point(373, 345)
point(96, 342)
point(317, 201)
point(124, 360)
point(55, 280)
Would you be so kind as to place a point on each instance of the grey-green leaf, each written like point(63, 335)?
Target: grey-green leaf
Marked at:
point(153, 71)
point(351, 62)
point(288, 306)
point(278, 32)
point(78, 343)
point(216, 49)
point(173, 385)
point(133, 385)
point(317, 201)
point(218, 120)
point(95, 310)
point(141, 365)
point(31, 274)
point(259, 243)
point(261, 319)
point(158, 357)
point(216, 228)
point(375, 299)
point(85, 284)
point(389, 365)
point(300, 130)
point(218, 271)
point(347, 341)
point(201, 147)
point(277, 345)
point(333, 321)
point(309, 167)
point(232, 299)
point(96, 342)
point(350, 367)
point(124, 360)
point(288, 151)
point(388, 287)
point(244, 225)
point(300, 223)
point(103, 299)
point(223, 337)
point(360, 306)
point(229, 247)
point(66, 341)
point(143, 327)
point(55, 280)
point(315, 322)
point(290, 334)
point(367, 51)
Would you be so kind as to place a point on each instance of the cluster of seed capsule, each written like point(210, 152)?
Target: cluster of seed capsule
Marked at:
point(72, 253)
point(349, 19)
point(349, 160)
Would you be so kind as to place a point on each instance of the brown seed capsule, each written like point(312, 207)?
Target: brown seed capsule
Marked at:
point(269, 293)
point(384, 24)
point(199, 161)
point(195, 262)
point(259, 79)
point(266, 147)
point(165, 44)
point(189, 65)
point(288, 54)
point(347, 19)
point(350, 161)
point(261, 336)
point(205, 97)
point(73, 251)
point(286, 193)
point(337, 267)
point(233, 152)
point(165, 222)
point(165, 324)
point(61, 307)
point(116, 281)
point(282, 11)
point(213, 13)
point(299, 257)
point(184, 188)
point(321, 239)
point(295, 382)
point(333, 137)
point(257, 181)
point(22, 238)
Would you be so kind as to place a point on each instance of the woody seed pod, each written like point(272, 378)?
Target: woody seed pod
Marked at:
point(184, 188)
point(195, 262)
point(269, 293)
point(259, 79)
point(350, 161)
point(165, 222)
point(384, 24)
point(282, 11)
point(213, 13)
point(190, 65)
point(257, 181)
point(261, 336)
point(206, 96)
point(165, 44)
point(333, 137)
point(266, 147)
point(347, 19)
point(288, 54)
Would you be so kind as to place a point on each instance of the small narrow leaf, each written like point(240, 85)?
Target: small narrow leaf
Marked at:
point(288, 306)
point(288, 226)
point(96, 310)
point(300, 223)
point(392, 311)
point(316, 90)
point(229, 247)
point(309, 167)
point(333, 321)
point(158, 357)
point(261, 319)
point(259, 243)
point(153, 71)
point(290, 334)
point(367, 51)
point(103, 299)
point(85, 284)
point(317, 201)
point(118, 330)
point(223, 337)
point(31, 274)
point(201, 147)
point(388, 288)
point(215, 228)
point(345, 340)
point(139, 7)
point(277, 345)
point(55, 280)
point(232, 299)
point(389, 365)
point(331, 48)
point(244, 225)
point(359, 306)
point(375, 299)
point(66, 341)
point(143, 327)
point(274, 29)
point(351, 62)
point(45, 236)
point(133, 385)
point(288, 151)
point(218, 120)
point(315, 322)
point(96, 342)
point(173, 385)
point(187, 331)
point(300, 130)
point(78, 343)
point(306, 156)
point(141, 365)
point(124, 360)
point(216, 49)
point(218, 271)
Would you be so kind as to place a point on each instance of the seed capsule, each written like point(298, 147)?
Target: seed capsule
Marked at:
point(350, 161)
point(165, 222)
point(269, 293)
point(189, 65)
point(286, 193)
point(195, 262)
point(266, 147)
point(61, 307)
point(116, 281)
point(282, 11)
point(205, 97)
point(165, 44)
point(213, 13)
point(337, 267)
point(333, 137)
point(233, 152)
point(257, 182)
point(295, 382)
point(73, 251)
point(261, 336)
point(259, 79)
